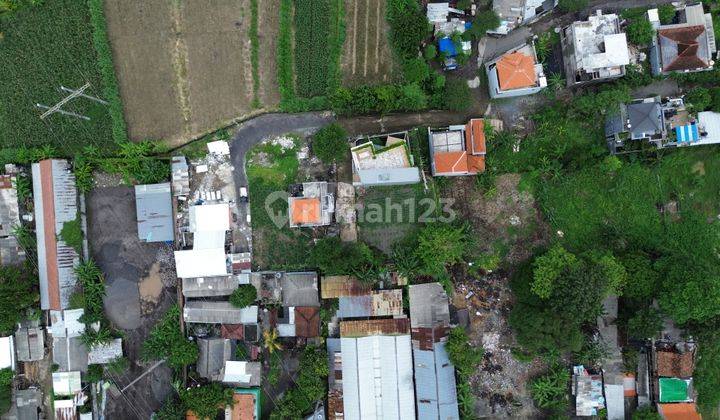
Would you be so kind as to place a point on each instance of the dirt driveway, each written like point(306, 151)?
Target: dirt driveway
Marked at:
point(140, 286)
point(184, 66)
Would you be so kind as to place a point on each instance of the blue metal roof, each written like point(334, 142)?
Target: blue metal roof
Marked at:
point(354, 306)
point(435, 389)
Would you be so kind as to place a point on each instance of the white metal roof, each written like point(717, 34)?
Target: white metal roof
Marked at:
point(210, 217)
point(209, 239)
point(67, 323)
point(236, 372)
point(708, 122)
point(193, 263)
point(377, 377)
point(438, 12)
point(219, 147)
point(66, 383)
point(7, 353)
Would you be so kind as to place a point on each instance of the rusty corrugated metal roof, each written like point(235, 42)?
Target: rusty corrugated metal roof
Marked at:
point(374, 326)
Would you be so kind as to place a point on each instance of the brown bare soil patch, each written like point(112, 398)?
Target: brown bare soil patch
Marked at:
point(366, 56)
point(184, 66)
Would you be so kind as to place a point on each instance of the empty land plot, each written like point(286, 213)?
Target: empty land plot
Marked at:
point(367, 58)
point(268, 21)
point(142, 35)
point(184, 66)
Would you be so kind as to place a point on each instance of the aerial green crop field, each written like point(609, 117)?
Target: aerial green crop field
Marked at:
point(42, 48)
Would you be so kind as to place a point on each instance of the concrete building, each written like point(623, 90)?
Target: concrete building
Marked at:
point(214, 352)
point(242, 374)
point(515, 13)
point(11, 253)
point(383, 160)
point(594, 50)
point(515, 73)
point(154, 213)
point(30, 344)
point(101, 354)
point(458, 150)
point(435, 388)
point(68, 351)
point(55, 199)
point(686, 46)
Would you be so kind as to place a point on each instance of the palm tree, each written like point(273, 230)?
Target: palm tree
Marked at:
point(270, 341)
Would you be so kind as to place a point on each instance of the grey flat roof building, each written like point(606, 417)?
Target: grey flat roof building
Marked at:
point(30, 344)
point(214, 352)
point(202, 312)
point(154, 212)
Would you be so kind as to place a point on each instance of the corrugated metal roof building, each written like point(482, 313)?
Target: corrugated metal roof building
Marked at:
point(375, 303)
point(300, 289)
point(55, 199)
point(209, 286)
point(28, 401)
point(241, 373)
point(30, 344)
point(154, 212)
point(214, 352)
point(436, 392)
point(9, 211)
point(180, 176)
point(333, 287)
point(377, 378)
point(203, 312)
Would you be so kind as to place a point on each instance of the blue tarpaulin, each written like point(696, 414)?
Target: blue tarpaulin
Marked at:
point(447, 46)
point(687, 133)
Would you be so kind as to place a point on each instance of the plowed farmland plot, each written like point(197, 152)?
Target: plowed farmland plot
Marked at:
point(184, 66)
point(367, 57)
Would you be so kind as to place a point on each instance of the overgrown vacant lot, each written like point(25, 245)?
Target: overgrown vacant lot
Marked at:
point(366, 56)
point(42, 48)
point(185, 68)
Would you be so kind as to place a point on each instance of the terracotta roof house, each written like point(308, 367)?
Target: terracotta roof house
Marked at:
point(55, 199)
point(678, 411)
point(515, 73)
point(459, 149)
point(673, 364)
point(594, 50)
point(383, 159)
point(311, 204)
point(246, 405)
point(687, 46)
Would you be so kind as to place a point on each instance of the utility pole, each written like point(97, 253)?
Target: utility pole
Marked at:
point(73, 93)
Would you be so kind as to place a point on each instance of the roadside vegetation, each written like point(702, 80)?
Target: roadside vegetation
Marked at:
point(166, 341)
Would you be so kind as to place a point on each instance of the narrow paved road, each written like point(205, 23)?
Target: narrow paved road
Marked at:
point(491, 47)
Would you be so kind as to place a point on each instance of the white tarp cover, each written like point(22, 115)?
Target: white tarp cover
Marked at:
point(7, 353)
point(194, 263)
point(210, 217)
point(219, 147)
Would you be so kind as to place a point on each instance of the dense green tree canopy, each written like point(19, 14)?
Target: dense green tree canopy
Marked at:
point(17, 293)
point(332, 257)
point(206, 400)
point(168, 342)
point(330, 143)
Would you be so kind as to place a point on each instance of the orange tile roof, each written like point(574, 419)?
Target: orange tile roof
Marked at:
point(475, 136)
point(516, 70)
point(679, 411)
point(476, 164)
point(451, 162)
point(243, 407)
point(305, 211)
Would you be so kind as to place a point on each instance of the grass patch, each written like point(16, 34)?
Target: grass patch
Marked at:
point(271, 169)
point(42, 48)
point(71, 234)
point(254, 52)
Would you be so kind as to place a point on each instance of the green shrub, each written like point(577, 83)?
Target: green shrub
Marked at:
point(487, 20)
point(715, 104)
point(456, 96)
point(666, 12)
point(17, 294)
point(550, 390)
point(415, 70)
point(311, 386)
point(646, 413)
point(430, 52)
point(94, 373)
point(572, 5)
point(334, 257)
point(640, 32)
point(244, 296)
point(71, 233)
point(166, 341)
point(699, 98)
point(6, 380)
point(645, 323)
point(107, 70)
point(254, 52)
point(408, 27)
point(330, 143)
point(206, 400)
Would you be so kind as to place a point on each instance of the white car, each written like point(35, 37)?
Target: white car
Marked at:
point(243, 194)
point(248, 218)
